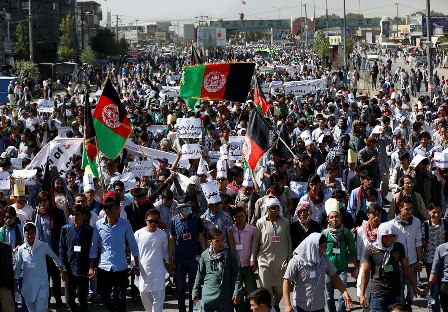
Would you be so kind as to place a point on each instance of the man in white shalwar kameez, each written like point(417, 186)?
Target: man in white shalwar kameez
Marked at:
point(153, 248)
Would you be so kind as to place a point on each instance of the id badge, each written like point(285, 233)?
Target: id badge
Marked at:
point(239, 246)
point(336, 251)
point(77, 248)
point(186, 236)
point(276, 239)
point(31, 265)
point(312, 274)
point(388, 268)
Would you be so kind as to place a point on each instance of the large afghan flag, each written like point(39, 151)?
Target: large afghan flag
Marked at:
point(89, 151)
point(111, 123)
point(259, 138)
point(259, 99)
point(223, 81)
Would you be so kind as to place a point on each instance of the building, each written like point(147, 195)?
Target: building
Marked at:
point(88, 18)
point(46, 18)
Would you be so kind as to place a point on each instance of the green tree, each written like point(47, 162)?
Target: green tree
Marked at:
point(20, 46)
point(122, 47)
point(88, 56)
point(321, 44)
point(26, 69)
point(104, 43)
point(349, 44)
point(65, 49)
point(351, 15)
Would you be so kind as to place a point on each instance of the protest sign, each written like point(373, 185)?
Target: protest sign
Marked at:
point(297, 189)
point(157, 128)
point(5, 180)
point(189, 128)
point(236, 147)
point(28, 175)
point(300, 88)
point(141, 168)
point(59, 153)
point(440, 160)
point(214, 156)
point(223, 151)
point(184, 181)
point(128, 179)
point(17, 162)
point(62, 131)
point(211, 192)
point(45, 106)
point(191, 151)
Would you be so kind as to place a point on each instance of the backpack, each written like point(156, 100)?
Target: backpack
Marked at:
point(426, 229)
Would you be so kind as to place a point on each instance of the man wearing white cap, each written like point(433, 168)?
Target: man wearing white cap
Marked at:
point(246, 199)
point(271, 249)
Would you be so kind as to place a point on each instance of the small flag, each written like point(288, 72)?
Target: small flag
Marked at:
point(89, 151)
point(259, 138)
point(259, 100)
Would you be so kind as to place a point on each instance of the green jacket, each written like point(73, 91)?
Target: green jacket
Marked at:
point(346, 246)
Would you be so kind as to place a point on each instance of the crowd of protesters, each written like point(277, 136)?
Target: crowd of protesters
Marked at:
point(263, 239)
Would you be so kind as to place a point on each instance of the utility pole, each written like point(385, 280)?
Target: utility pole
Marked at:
point(428, 31)
point(396, 3)
point(301, 19)
point(326, 13)
point(82, 27)
point(136, 29)
point(314, 12)
point(30, 30)
point(306, 26)
point(345, 38)
point(116, 27)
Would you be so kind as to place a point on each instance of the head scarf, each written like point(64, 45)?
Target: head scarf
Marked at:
point(304, 205)
point(307, 253)
point(386, 228)
point(271, 201)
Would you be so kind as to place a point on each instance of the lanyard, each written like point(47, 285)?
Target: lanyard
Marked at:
point(239, 236)
point(78, 234)
point(184, 226)
point(275, 228)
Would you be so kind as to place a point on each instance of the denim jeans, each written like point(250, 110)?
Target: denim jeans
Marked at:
point(329, 293)
point(380, 303)
point(434, 291)
point(185, 267)
point(408, 298)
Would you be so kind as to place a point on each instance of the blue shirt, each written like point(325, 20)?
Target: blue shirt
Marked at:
point(352, 205)
point(186, 248)
point(76, 262)
point(112, 240)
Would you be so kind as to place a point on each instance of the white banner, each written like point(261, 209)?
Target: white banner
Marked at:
point(16, 163)
point(157, 128)
point(60, 152)
point(62, 131)
point(28, 175)
point(189, 128)
point(191, 151)
point(127, 178)
point(236, 147)
point(153, 153)
point(297, 188)
point(141, 168)
point(300, 88)
point(440, 160)
point(45, 106)
point(5, 182)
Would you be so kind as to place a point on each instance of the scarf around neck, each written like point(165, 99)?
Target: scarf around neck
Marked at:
point(403, 222)
point(386, 228)
point(336, 233)
point(218, 261)
point(370, 234)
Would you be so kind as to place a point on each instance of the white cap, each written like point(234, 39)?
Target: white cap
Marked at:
point(221, 168)
point(88, 184)
point(202, 167)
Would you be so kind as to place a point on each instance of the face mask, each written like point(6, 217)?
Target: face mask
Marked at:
point(341, 205)
point(368, 203)
point(186, 211)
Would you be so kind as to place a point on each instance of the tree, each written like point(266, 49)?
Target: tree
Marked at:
point(321, 44)
point(20, 47)
point(122, 47)
point(88, 56)
point(104, 43)
point(351, 15)
point(65, 49)
point(349, 44)
point(26, 69)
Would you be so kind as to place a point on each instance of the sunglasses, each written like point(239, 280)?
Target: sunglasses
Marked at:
point(220, 179)
point(152, 221)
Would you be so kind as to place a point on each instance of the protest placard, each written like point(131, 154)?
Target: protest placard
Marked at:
point(211, 191)
point(5, 182)
point(189, 128)
point(28, 175)
point(45, 106)
point(191, 151)
point(236, 147)
point(142, 168)
point(297, 189)
point(16, 163)
point(440, 160)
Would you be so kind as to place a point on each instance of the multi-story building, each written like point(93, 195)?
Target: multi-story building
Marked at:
point(88, 18)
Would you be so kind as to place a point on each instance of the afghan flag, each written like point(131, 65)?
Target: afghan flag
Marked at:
point(223, 81)
point(259, 100)
point(194, 57)
point(89, 150)
point(111, 123)
point(259, 138)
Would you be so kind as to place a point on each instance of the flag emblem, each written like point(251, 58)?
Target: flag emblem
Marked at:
point(246, 146)
point(214, 81)
point(111, 116)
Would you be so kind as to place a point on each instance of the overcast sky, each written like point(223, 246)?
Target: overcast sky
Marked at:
point(187, 10)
